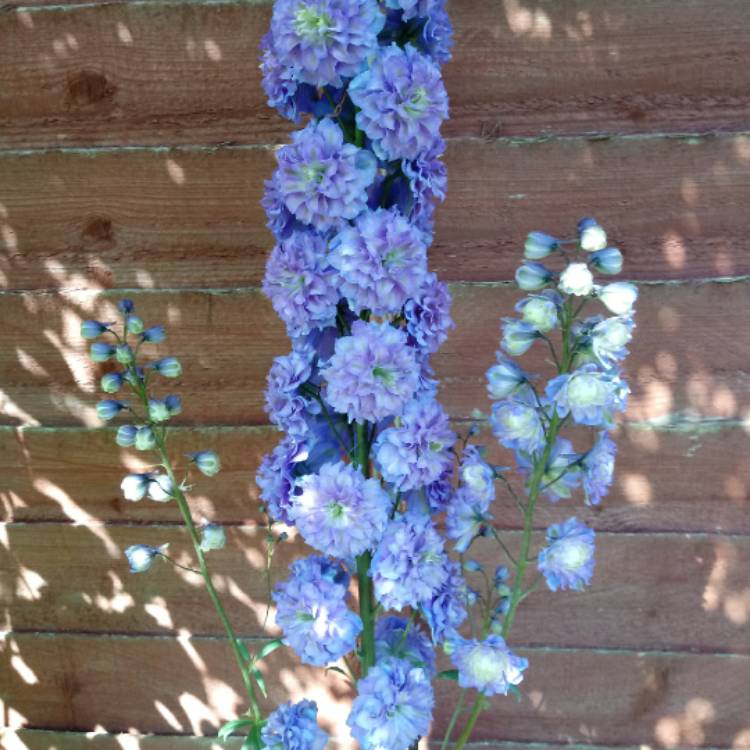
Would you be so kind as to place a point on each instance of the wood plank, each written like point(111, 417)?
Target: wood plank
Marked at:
point(163, 685)
point(191, 217)
point(226, 342)
point(187, 72)
point(660, 484)
point(650, 591)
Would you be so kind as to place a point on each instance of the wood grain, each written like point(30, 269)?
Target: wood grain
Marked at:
point(73, 475)
point(190, 686)
point(191, 217)
point(71, 578)
point(166, 73)
point(226, 342)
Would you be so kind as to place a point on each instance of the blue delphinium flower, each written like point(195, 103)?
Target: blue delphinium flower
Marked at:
point(567, 562)
point(417, 451)
point(276, 477)
point(517, 424)
point(425, 182)
point(393, 707)
point(313, 613)
point(562, 473)
point(339, 512)
point(476, 474)
point(589, 394)
point(467, 517)
point(436, 38)
point(598, 467)
point(141, 556)
point(489, 666)
point(394, 639)
point(607, 261)
point(381, 260)
point(294, 726)
point(402, 102)
point(323, 180)
point(609, 339)
point(532, 277)
point(300, 283)
point(372, 374)
point(505, 378)
point(413, 8)
point(280, 220)
point(427, 315)
point(446, 610)
point(409, 565)
point(539, 245)
point(540, 310)
point(285, 405)
point(518, 336)
point(325, 41)
point(432, 498)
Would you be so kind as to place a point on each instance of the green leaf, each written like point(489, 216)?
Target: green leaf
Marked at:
point(337, 669)
point(448, 674)
point(253, 739)
point(243, 650)
point(515, 692)
point(261, 682)
point(232, 726)
point(269, 648)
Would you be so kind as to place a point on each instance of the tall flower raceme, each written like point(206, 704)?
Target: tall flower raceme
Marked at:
point(370, 470)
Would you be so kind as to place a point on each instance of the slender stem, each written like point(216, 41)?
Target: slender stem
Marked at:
point(476, 709)
point(454, 719)
point(502, 544)
point(177, 565)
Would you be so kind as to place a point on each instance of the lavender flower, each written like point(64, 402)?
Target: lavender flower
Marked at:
point(467, 517)
point(339, 512)
point(285, 406)
point(408, 567)
point(518, 336)
point(436, 38)
point(276, 477)
point(393, 708)
point(505, 378)
point(417, 452)
point(322, 179)
point(434, 497)
point(598, 467)
point(446, 610)
point(381, 260)
point(488, 665)
point(413, 8)
point(562, 473)
point(281, 220)
point(540, 310)
point(294, 726)
point(325, 41)
point(517, 425)
point(372, 373)
point(312, 612)
point(402, 102)
point(609, 339)
point(141, 556)
point(589, 394)
point(394, 639)
point(300, 284)
point(427, 315)
point(476, 474)
point(567, 562)
point(427, 180)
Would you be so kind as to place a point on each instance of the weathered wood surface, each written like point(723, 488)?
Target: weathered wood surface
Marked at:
point(226, 342)
point(660, 482)
point(191, 217)
point(116, 73)
point(76, 578)
point(190, 685)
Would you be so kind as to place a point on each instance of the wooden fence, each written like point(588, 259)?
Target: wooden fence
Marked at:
point(134, 140)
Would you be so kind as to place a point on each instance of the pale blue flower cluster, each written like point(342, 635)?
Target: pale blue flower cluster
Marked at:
point(294, 726)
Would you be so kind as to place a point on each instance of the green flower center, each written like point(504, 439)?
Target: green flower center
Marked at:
point(311, 24)
point(314, 172)
point(382, 374)
point(336, 510)
point(418, 102)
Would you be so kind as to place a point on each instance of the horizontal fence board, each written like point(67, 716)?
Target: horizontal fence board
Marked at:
point(188, 72)
point(670, 592)
point(191, 217)
point(661, 481)
point(226, 342)
point(166, 685)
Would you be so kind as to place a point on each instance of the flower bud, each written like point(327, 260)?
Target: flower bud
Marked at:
point(576, 279)
point(158, 411)
point(539, 245)
point(140, 556)
point(504, 378)
point(591, 236)
point(111, 382)
point(518, 336)
point(169, 367)
point(502, 574)
point(472, 566)
point(101, 352)
point(126, 306)
point(533, 276)
point(212, 537)
point(135, 486)
point(145, 440)
point(174, 404)
point(134, 324)
point(160, 488)
point(540, 312)
point(153, 335)
point(619, 297)
point(125, 437)
point(90, 329)
point(109, 409)
point(124, 354)
point(207, 462)
point(607, 261)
